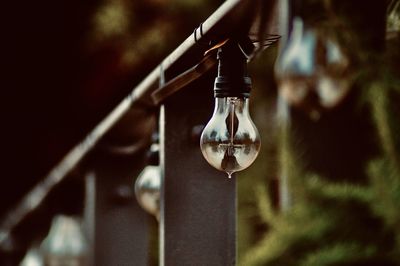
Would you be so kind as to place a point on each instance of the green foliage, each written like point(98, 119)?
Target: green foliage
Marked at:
point(331, 222)
point(336, 224)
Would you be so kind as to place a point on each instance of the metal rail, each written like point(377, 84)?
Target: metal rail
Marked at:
point(225, 21)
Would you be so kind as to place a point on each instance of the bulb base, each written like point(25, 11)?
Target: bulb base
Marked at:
point(232, 79)
point(226, 86)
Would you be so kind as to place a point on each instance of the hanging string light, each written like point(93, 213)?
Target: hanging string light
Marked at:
point(230, 142)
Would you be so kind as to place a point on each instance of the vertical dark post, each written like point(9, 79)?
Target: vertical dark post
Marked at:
point(198, 210)
point(121, 226)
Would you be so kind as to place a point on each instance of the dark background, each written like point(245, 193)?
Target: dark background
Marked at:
point(64, 69)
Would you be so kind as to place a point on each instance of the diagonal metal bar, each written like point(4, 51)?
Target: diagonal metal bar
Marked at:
point(229, 18)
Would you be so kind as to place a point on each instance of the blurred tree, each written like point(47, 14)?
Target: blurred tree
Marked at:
point(343, 168)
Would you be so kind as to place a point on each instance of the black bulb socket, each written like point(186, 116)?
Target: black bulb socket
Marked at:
point(232, 79)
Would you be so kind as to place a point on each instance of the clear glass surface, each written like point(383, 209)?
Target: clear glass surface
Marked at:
point(230, 141)
point(312, 71)
point(66, 243)
point(147, 189)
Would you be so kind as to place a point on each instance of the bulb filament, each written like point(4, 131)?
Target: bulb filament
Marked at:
point(232, 104)
point(229, 161)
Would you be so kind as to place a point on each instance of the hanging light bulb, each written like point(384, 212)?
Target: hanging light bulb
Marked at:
point(32, 258)
point(65, 244)
point(147, 189)
point(313, 73)
point(230, 141)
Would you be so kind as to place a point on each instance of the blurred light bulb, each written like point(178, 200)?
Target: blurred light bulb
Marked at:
point(147, 189)
point(32, 258)
point(230, 141)
point(65, 244)
point(313, 72)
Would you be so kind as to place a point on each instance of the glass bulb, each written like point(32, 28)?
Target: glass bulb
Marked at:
point(66, 243)
point(230, 141)
point(147, 189)
point(313, 72)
